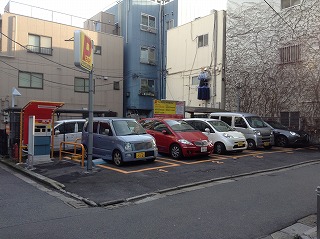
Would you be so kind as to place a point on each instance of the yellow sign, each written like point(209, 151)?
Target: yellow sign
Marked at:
point(83, 51)
point(167, 108)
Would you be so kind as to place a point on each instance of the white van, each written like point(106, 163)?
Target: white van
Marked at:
point(68, 131)
point(223, 137)
point(257, 133)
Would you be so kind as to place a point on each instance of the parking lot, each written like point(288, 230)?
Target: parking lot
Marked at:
point(110, 183)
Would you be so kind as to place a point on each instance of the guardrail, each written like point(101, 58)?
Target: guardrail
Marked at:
point(75, 156)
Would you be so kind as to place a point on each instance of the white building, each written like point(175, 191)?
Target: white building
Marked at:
point(192, 48)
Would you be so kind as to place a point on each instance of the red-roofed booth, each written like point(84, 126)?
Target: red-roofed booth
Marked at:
point(43, 112)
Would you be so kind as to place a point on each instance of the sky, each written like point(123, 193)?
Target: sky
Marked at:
point(83, 8)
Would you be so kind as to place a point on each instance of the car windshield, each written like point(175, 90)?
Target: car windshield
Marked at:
point(127, 127)
point(179, 125)
point(220, 126)
point(276, 125)
point(256, 122)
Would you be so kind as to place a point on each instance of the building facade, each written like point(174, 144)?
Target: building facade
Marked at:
point(144, 25)
point(194, 50)
point(37, 59)
point(272, 54)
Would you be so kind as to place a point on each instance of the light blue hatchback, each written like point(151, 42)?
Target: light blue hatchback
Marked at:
point(120, 140)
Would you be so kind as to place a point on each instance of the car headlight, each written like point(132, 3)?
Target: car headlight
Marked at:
point(257, 132)
point(227, 135)
point(128, 147)
point(184, 141)
point(154, 145)
point(294, 134)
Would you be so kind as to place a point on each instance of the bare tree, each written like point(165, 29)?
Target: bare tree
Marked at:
point(257, 35)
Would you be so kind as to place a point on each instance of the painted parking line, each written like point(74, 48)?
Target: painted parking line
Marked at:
point(160, 168)
point(212, 158)
point(197, 161)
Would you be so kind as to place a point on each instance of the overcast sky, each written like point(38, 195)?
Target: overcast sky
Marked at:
point(83, 8)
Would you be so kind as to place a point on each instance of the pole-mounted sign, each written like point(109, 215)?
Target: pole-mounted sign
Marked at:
point(83, 51)
point(83, 58)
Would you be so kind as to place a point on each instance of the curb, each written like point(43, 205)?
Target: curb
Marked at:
point(36, 176)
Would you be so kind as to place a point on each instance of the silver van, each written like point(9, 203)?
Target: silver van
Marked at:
point(67, 130)
point(120, 140)
point(257, 133)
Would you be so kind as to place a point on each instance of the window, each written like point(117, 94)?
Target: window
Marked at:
point(148, 23)
point(148, 55)
point(226, 119)
point(116, 85)
point(289, 3)
point(81, 85)
point(39, 44)
point(147, 87)
point(239, 122)
point(170, 24)
point(203, 40)
point(97, 50)
point(30, 80)
point(290, 54)
point(97, 26)
point(105, 129)
point(195, 80)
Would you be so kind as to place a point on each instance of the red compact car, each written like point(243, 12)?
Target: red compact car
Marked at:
point(177, 138)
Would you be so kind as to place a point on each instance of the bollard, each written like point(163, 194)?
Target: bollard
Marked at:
point(318, 212)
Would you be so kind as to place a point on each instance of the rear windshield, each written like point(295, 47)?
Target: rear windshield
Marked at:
point(127, 127)
point(256, 122)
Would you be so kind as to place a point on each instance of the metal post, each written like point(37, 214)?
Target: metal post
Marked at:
point(318, 212)
point(90, 129)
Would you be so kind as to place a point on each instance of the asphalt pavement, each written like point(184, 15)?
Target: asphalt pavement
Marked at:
point(107, 185)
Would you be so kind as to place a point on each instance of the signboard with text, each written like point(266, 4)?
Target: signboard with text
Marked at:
point(83, 51)
point(168, 109)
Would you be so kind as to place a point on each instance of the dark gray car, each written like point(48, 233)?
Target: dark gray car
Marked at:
point(285, 137)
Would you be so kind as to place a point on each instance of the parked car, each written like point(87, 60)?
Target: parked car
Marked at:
point(257, 133)
point(120, 140)
point(223, 137)
point(177, 138)
point(285, 137)
point(67, 130)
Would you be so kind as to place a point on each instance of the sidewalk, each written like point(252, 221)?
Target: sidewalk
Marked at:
point(305, 228)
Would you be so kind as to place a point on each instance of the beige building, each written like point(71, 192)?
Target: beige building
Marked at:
point(37, 59)
point(193, 48)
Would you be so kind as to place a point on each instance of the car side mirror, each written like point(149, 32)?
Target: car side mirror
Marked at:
point(164, 131)
point(106, 131)
point(207, 130)
point(56, 132)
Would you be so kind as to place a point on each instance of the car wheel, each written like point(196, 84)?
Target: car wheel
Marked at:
point(251, 144)
point(219, 148)
point(117, 158)
point(175, 151)
point(282, 141)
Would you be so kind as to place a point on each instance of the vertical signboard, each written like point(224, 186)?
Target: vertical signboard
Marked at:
point(83, 51)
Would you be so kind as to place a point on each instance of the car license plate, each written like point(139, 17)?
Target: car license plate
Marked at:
point(266, 143)
point(204, 149)
point(240, 144)
point(140, 155)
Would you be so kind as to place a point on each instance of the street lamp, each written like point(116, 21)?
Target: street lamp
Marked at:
point(15, 92)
